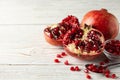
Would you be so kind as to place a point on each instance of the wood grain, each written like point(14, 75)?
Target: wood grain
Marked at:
point(24, 53)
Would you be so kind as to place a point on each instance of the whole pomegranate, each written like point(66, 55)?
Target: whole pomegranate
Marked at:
point(85, 43)
point(55, 33)
point(104, 21)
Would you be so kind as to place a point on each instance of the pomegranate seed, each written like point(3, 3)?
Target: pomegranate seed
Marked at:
point(72, 68)
point(88, 76)
point(56, 61)
point(59, 56)
point(101, 63)
point(107, 71)
point(63, 54)
point(107, 75)
point(86, 71)
point(113, 76)
point(106, 60)
point(77, 68)
point(90, 66)
point(66, 62)
point(113, 47)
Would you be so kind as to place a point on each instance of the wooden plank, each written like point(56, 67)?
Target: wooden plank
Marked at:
point(45, 11)
point(45, 72)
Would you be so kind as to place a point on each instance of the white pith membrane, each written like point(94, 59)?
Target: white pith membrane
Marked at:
point(53, 26)
point(72, 47)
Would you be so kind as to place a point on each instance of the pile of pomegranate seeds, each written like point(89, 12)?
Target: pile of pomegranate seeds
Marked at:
point(100, 69)
point(113, 47)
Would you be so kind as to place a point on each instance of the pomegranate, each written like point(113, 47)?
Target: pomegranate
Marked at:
point(85, 43)
point(104, 21)
point(55, 33)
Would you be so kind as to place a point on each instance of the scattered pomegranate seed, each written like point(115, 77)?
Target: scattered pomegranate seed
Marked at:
point(66, 62)
point(88, 76)
point(113, 76)
point(86, 71)
point(107, 75)
point(72, 68)
point(59, 56)
point(63, 54)
point(107, 71)
point(56, 61)
point(77, 68)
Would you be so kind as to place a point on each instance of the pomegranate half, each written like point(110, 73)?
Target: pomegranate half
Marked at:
point(104, 21)
point(54, 33)
point(85, 43)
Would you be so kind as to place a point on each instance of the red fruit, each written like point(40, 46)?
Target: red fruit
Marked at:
point(85, 43)
point(77, 68)
point(55, 33)
point(72, 68)
point(104, 21)
point(63, 54)
point(102, 63)
point(113, 76)
point(107, 75)
point(66, 62)
point(56, 61)
point(59, 56)
point(88, 76)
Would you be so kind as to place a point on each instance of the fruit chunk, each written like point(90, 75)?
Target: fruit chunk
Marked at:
point(86, 43)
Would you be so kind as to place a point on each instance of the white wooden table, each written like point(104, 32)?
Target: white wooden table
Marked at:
point(25, 55)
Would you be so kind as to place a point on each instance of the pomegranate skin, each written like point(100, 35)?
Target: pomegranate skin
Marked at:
point(104, 21)
point(83, 57)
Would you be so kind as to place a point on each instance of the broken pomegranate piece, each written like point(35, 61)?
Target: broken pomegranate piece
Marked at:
point(54, 33)
point(86, 43)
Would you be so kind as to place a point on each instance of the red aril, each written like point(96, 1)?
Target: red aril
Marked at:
point(86, 43)
point(113, 47)
point(72, 68)
point(104, 21)
point(77, 68)
point(113, 76)
point(66, 62)
point(56, 61)
point(88, 76)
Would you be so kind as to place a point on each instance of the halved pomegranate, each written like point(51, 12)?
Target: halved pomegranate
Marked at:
point(55, 33)
point(85, 43)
